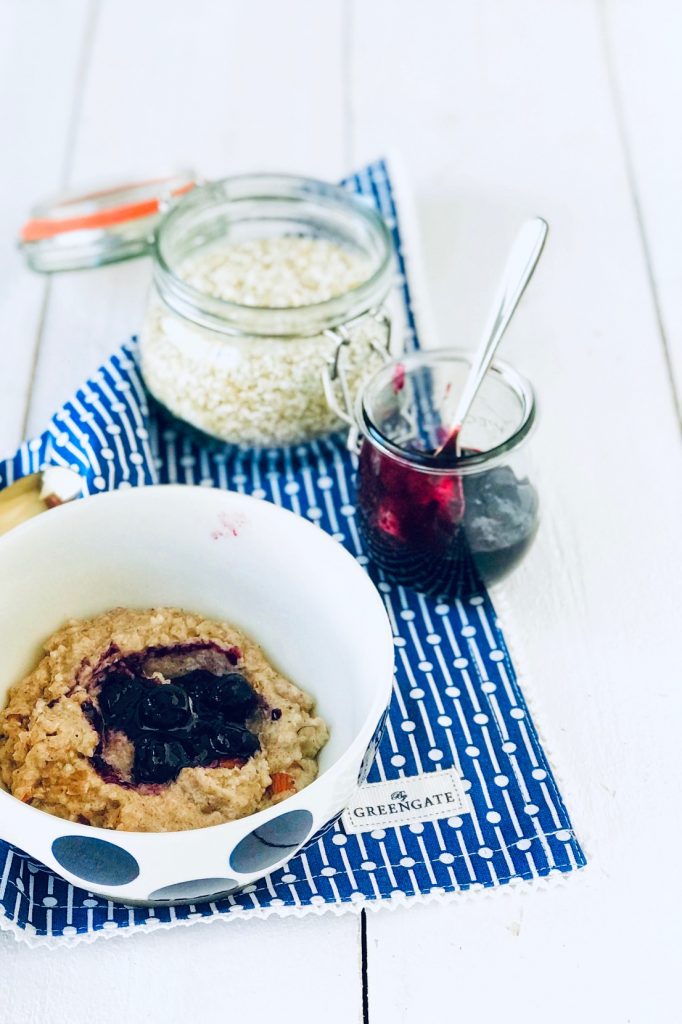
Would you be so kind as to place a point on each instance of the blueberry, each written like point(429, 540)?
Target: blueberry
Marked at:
point(233, 741)
point(233, 697)
point(164, 708)
point(199, 745)
point(229, 696)
point(201, 749)
point(196, 685)
point(158, 760)
point(118, 699)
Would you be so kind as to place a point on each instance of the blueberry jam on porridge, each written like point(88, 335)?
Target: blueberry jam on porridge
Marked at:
point(156, 720)
point(195, 719)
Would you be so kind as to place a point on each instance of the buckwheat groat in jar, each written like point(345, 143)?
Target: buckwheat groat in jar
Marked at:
point(259, 281)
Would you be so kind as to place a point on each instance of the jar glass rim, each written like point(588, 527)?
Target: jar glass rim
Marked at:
point(285, 321)
point(463, 464)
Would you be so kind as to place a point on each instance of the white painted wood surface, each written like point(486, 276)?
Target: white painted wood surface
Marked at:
point(568, 109)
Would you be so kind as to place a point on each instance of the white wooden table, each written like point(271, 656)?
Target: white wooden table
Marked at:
point(501, 108)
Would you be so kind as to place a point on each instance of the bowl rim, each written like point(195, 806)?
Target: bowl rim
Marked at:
point(368, 725)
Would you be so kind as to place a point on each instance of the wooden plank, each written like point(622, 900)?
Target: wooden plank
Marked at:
point(241, 970)
point(40, 46)
point(502, 111)
point(219, 87)
point(226, 88)
point(642, 41)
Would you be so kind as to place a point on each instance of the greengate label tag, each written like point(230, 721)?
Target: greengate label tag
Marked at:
point(407, 800)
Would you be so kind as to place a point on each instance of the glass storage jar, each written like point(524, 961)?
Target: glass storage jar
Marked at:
point(441, 524)
point(249, 372)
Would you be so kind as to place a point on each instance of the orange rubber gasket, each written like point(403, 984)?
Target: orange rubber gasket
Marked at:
point(41, 228)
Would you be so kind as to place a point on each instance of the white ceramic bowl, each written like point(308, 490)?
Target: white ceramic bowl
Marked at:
point(284, 581)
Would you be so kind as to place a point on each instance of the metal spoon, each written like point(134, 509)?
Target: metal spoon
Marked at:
point(521, 262)
point(36, 493)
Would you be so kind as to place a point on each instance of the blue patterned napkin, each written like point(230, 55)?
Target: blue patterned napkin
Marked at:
point(456, 700)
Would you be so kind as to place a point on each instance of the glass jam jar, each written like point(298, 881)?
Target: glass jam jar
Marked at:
point(442, 524)
point(258, 282)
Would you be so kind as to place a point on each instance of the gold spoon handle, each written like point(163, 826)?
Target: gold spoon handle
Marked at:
point(37, 493)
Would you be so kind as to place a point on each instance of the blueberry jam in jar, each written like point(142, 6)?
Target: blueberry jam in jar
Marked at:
point(444, 523)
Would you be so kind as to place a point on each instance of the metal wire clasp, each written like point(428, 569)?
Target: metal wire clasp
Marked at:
point(337, 390)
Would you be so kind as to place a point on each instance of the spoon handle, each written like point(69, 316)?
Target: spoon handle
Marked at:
point(521, 263)
point(33, 494)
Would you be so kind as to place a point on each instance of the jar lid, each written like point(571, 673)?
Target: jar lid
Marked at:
point(73, 231)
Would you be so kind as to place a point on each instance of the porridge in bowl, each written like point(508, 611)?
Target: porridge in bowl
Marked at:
point(156, 721)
